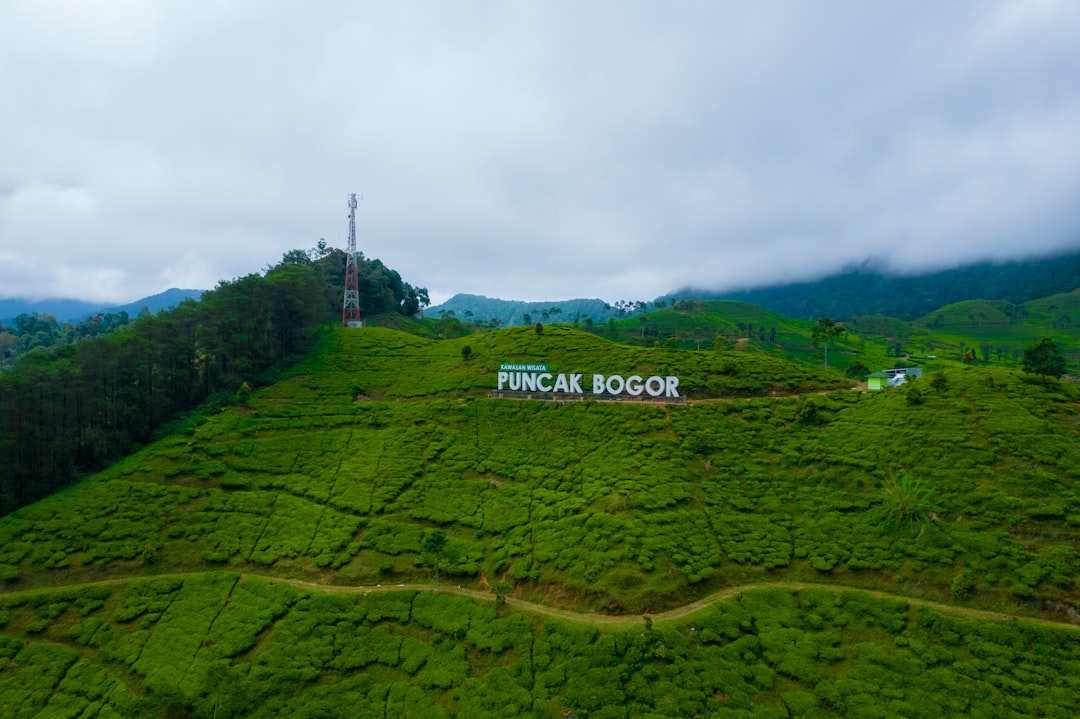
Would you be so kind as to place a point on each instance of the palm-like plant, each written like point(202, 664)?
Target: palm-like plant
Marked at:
point(905, 501)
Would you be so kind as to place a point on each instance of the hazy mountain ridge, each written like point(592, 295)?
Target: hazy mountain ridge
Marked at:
point(859, 291)
point(508, 313)
point(65, 310)
point(866, 291)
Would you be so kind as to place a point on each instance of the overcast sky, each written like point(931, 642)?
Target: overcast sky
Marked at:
point(531, 150)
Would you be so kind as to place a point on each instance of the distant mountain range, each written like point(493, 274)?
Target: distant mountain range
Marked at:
point(508, 313)
point(77, 310)
point(866, 292)
point(856, 292)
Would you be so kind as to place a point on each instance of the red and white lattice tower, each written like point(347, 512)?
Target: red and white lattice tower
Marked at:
point(350, 313)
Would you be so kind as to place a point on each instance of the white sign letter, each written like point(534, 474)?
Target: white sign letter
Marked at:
point(654, 386)
point(575, 384)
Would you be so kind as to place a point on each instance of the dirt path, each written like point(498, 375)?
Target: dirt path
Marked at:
point(607, 620)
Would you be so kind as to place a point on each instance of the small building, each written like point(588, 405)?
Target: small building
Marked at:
point(891, 377)
point(877, 381)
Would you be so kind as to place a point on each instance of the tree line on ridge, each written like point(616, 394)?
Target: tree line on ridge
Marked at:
point(72, 409)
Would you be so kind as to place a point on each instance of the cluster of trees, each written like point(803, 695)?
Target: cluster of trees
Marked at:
point(1044, 358)
point(30, 331)
point(381, 289)
point(75, 408)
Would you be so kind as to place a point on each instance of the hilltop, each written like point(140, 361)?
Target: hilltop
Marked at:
point(842, 552)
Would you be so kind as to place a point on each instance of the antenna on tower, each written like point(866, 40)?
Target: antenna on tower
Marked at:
point(350, 313)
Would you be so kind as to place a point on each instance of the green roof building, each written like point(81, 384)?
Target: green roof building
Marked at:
point(891, 377)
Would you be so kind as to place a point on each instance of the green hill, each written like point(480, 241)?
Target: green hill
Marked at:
point(1057, 311)
point(779, 546)
point(733, 325)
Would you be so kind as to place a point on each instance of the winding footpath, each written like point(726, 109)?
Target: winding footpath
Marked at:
point(607, 620)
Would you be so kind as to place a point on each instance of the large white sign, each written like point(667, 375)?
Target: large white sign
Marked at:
point(634, 385)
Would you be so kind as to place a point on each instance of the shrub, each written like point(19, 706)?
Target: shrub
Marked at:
point(856, 370)
point(1022, 591)
point(961, 586)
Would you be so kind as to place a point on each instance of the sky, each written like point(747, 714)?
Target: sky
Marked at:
point(534, 151)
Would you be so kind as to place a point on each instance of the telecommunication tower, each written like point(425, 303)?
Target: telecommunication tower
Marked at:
point(350, 313)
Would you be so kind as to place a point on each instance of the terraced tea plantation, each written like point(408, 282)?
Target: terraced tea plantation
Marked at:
point(342, 543)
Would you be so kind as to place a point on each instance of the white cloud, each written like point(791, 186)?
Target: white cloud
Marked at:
point(535, 151)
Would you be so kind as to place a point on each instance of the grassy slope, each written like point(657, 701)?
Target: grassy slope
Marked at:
point(606, 507)
point(1002, 329)
point(696, 324)
point(980, 324)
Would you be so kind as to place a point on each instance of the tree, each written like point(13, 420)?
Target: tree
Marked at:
point(466, 352)
point(823, 333)
point(296, 257)
point(1044, 359)
point(434, 548)
point(501, 588)
point(539, 328)
point(413, 299)
point(856, 370)
point(914, 396)
point(939, 382)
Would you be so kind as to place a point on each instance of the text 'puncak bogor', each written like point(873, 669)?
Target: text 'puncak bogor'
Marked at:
point(634, 385)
